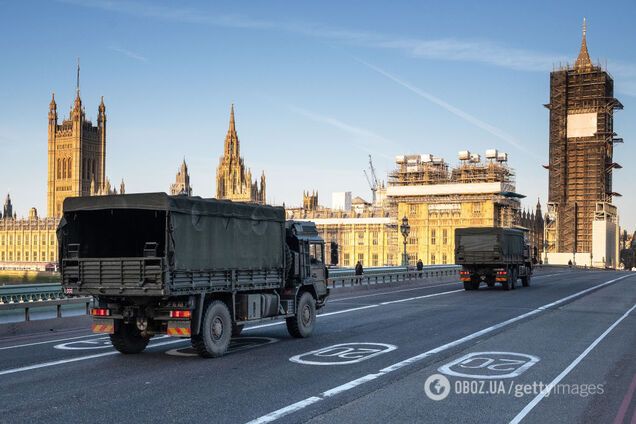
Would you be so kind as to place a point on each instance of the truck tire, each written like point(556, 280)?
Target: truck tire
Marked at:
point(128, 339)
point(302, 324)
point(506, 284)
point(236, 330)
point(216, 331)
point(468, 285)
point(525, 281)
point(513, 279)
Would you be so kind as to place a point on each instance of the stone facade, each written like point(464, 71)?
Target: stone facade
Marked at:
point(233, 181)
point(77, 155)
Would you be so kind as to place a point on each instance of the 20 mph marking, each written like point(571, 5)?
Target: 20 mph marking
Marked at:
point(489, 365)
point(343, 354)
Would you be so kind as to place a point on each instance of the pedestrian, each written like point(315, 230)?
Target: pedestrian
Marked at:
point(570, 263)
point(420, 267)
point(359, 269)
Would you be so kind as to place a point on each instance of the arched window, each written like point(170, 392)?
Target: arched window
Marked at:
point(70, 173)
point(84, 168)
point(59, 168)
point(64, 168)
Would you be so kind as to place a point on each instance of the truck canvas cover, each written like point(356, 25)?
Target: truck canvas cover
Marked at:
point(191, 234)
point(480, 243)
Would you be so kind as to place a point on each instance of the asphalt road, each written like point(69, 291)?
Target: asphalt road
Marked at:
point(563, 349)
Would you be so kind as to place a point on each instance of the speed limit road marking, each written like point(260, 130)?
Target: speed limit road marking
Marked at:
point(489, 365)
point(343, 354)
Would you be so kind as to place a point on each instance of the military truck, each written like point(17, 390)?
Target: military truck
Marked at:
point(492, 256)
point(189, 267)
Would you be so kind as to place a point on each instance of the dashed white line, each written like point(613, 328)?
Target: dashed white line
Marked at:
point(273, 416)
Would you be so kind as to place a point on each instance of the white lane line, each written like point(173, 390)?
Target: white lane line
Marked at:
point(272, 416)
point(288, 410)
point(279, 323)
point(48, 341)
point(420, 297)
point(393, 291)
point(521, 415)
point(77, 359)
point(99, 355)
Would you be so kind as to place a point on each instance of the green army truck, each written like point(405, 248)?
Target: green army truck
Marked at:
point(492, 256)
point(189, 267)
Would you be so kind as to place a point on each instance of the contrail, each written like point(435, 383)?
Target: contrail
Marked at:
point(502, 135)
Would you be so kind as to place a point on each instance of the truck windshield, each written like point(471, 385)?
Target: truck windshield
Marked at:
point(478, 242)
point(315, 253)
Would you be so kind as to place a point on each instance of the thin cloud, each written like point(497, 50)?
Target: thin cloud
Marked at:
point(449, 49)
point(358, 133)
point(129, 53)
point(497, 132)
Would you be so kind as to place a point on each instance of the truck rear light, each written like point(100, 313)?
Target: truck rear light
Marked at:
point(100, 312)
point(180, 314)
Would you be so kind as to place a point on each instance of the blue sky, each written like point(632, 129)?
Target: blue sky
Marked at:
point(317, 86)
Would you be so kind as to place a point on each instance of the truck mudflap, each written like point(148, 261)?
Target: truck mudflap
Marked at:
point(103, 325)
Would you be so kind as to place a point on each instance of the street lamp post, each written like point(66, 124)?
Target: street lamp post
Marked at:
point(405, 229)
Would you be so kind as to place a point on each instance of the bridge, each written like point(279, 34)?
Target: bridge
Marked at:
point(390, 346)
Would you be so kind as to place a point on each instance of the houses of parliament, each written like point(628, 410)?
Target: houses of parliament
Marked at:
point(77, 167)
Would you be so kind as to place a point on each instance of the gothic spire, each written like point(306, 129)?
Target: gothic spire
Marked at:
point(78, 78)
point(52, 105)
point(232, 125)
point(78, 102)
point(583, 62)
point(232, 148)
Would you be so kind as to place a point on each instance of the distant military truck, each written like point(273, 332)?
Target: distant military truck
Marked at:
point(492, 256)
point(189, 267)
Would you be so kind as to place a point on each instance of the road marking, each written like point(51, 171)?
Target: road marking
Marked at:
point(389, 369)
point(421, 297)
point(77, 359)
point(496, 365)
point(98, 343)
point(47, 341)
point(255, 327)
point(392, 291)
point(521, 415)
point(343, 354)
point(272, 416)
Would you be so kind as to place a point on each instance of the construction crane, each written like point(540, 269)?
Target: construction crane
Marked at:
point(373, 181)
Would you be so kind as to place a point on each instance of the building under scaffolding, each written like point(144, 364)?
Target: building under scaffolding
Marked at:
point(582, 140)
point(437, 199)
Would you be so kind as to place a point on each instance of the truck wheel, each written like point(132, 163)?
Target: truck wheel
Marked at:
point(236, 330)
point(468, 285)
point(513, 279)
point(128, 339)
point(491, 284)
point(302, 324)
point(216, 331)
point(525, 281)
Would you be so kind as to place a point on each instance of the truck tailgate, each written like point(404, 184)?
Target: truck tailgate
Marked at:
point(114, 276)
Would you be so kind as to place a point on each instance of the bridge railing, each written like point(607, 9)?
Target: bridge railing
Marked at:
point(396, 275)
